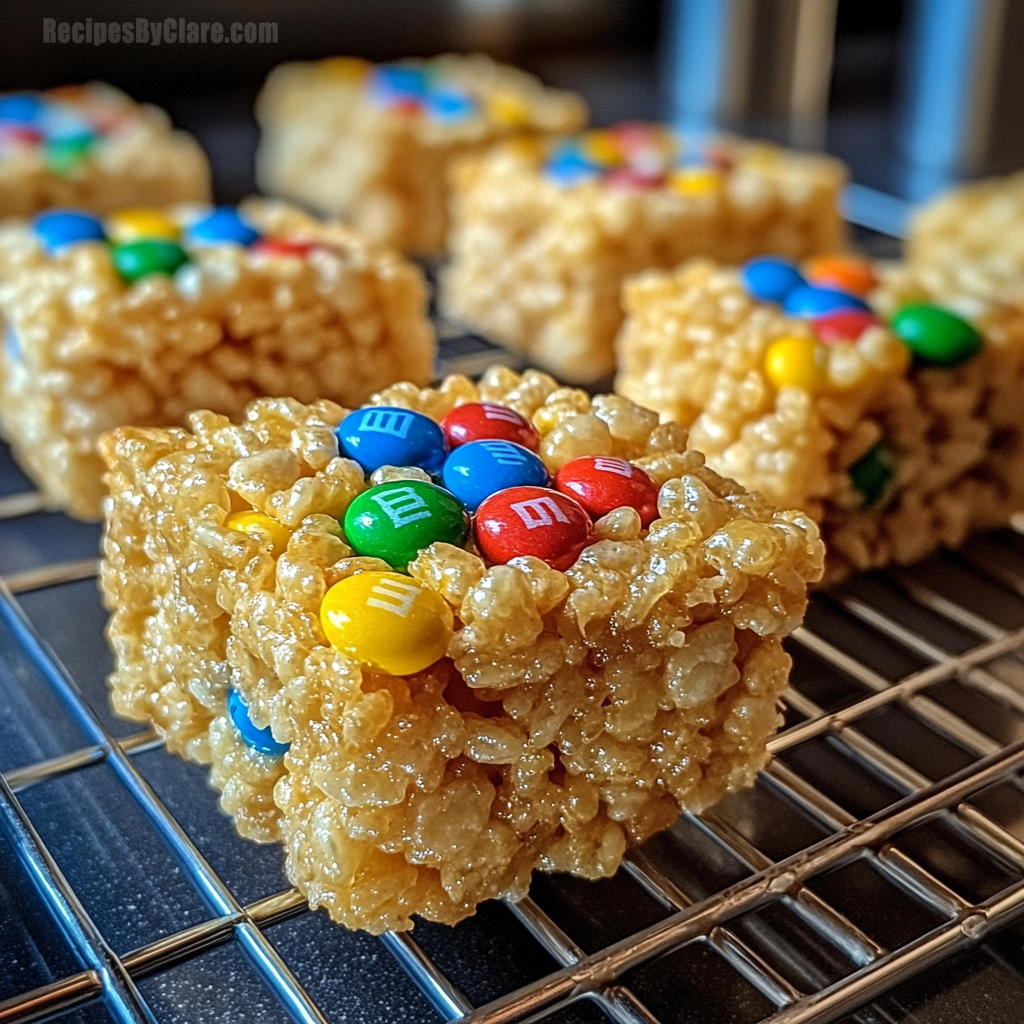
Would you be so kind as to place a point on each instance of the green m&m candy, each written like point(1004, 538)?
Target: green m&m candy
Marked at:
point(936, 336)
point(63, 155)
point(147, 256)
point(396, 520)
point(871, 473)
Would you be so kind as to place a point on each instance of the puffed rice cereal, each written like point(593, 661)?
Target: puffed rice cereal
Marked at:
point(374, 143)
point(971, 240)
point(544, 235)
point(897, 430)
point(573, 713)
point(202, 310)
point(91, 147)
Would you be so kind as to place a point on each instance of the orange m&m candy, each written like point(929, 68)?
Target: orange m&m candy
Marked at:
point(844, 271)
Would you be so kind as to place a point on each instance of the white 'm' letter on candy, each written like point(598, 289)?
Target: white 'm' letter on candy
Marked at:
point(538, 512)
point(395, 597)
point(402, 505)
point(499, 412)
point(502, 454)
point(618, 466)
point(386, 421)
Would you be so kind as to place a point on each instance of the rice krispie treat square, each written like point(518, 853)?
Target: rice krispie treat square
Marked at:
point(374, 143)
point(891, 414)
point(971, 240)
point(425, 705)
point(147, 314)
point(543, 236)
point(91, 147)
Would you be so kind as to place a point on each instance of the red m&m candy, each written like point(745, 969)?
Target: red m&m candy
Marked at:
point(488, 421)
point(843, 325)
point(20, 135)
point(600, 484)
point(283, 247)
point(635, 179)
point(532, 521)
point(635, 136)
point(407, 105)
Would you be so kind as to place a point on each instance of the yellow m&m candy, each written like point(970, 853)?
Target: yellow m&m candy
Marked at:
point(507, 107)
point(141, 222)
point(696, 181)
point(796, 363)
point(344, 69)
point(602, 147)
point(387, 622)
point(260, 525)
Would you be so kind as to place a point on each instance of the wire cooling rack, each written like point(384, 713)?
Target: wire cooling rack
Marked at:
point(886, 837)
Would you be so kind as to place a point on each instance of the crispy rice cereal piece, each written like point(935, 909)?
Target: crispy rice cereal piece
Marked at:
point(86, 352)
point(375, 144)
point(693, 348)
point(91, 147)
point(575, 712)
point(971, 240)
point(538, 265)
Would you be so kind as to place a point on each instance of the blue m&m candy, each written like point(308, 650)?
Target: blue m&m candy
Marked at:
point(58, 229)
point(12, 346)
point(261, 740)
point(477, 470)
point(60, 122)
point(450, 105)
point(810, 301)
point(568, 166)
point(396, 82)
point(21, 107)
point(383, 435)
point(222, 226)
point(770, 278)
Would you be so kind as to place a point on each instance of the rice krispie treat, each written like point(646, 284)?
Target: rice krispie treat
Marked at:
point(891, 414)
point(426, 702)
point(92, 147)
point(141, 317)
point(972, 240)
point(544, 235)
point(374, 143)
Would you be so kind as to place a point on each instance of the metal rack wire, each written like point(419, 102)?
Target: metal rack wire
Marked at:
point(958, 620)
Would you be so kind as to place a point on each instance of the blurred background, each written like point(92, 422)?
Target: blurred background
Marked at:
point(913, 94)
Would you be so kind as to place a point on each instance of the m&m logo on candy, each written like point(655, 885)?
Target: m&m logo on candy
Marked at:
point(384, 435)
point(477, 470)
point(485, 421)
point(602, 484)
point(387, 622)
point(395, 521)
point(534, 521)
